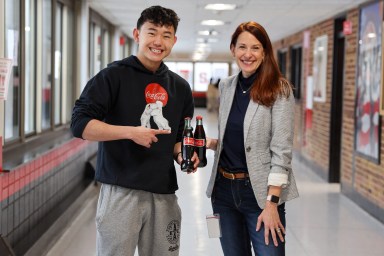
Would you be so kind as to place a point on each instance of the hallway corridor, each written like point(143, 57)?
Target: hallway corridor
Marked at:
point(321, 222)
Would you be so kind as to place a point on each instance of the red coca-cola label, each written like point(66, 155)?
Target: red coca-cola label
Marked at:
point(199, 142)
point(188, 141)
point(155, 92)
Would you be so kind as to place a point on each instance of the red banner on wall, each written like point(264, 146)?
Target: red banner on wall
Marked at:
point(347, 27)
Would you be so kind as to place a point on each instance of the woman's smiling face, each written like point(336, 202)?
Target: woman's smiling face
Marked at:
point(248, 52)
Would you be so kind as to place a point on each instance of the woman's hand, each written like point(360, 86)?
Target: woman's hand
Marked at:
point(211, 143)
point(272, 224)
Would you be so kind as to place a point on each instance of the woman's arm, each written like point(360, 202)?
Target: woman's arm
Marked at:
point(211, 143)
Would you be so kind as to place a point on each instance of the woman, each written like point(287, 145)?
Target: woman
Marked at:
point(252, 175)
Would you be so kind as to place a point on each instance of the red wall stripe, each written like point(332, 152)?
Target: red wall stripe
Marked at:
point(18, 178)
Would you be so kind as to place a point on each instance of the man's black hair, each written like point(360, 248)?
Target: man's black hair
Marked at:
point(159, 16)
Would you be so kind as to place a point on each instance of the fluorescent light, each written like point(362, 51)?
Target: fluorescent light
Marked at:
point(212, 22)
point(197, 57)
point(220, 7)
point(203, 33)
point(208, 33)
point(207, 40)
point(200, 55)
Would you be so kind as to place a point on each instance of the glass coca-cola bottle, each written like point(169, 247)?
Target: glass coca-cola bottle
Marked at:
point(200, 141)
point(187, 146)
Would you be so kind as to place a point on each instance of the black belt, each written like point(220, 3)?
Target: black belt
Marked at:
point(233, 176)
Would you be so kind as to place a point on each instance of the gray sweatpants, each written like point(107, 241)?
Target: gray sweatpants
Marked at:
point(128, 218)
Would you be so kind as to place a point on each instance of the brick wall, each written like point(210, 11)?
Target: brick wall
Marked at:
point(347, 144)
point(312, 135)
point(296, 39)
point(361, 179)
point(317, 136)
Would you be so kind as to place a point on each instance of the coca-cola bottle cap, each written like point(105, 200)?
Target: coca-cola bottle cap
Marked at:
point(199, 117)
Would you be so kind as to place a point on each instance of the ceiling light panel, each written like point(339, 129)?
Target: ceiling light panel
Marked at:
point(220, 7)
point(212, 22)
point(207, 33)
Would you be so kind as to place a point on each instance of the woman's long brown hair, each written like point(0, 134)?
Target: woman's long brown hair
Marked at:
point(269, 83)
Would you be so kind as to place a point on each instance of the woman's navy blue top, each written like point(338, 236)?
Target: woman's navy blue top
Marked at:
point(232, 157)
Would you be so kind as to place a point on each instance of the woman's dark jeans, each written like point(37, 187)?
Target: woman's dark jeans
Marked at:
point(234, 200)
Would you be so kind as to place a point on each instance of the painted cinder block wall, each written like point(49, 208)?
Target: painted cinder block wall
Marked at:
point(361, 180)
point(35, 193)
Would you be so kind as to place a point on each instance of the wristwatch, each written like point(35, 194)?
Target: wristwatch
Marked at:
point(273, 199)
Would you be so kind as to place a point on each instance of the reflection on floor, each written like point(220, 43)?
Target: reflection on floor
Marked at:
point(322, 222)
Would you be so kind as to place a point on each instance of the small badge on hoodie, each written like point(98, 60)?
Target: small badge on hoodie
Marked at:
point(156, 97)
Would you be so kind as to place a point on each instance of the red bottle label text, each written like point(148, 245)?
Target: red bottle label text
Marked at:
point(188, 141)
point(199, 142)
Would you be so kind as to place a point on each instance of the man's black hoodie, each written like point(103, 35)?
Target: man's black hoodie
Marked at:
point(124, 93)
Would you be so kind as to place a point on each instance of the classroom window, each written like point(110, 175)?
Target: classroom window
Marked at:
point(30, 67)
point(12, 51)
point(46, 78)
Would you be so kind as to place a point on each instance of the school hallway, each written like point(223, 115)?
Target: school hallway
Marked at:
point(321, 222)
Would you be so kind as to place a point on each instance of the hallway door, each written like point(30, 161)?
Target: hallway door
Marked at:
point(337, 102)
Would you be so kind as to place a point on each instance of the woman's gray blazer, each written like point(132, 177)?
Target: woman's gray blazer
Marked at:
point(268, 139)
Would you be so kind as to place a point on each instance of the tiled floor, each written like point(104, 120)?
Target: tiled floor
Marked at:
point(321, 222)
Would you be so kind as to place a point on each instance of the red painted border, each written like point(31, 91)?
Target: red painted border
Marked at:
point(18, 178)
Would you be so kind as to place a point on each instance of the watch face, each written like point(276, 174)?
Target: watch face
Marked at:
point(273, 199)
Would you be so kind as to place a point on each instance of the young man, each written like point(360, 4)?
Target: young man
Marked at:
point(135, 108)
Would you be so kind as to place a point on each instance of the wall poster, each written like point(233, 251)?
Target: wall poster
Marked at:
point(367, 120)
point(320, 53)
point(5, 74)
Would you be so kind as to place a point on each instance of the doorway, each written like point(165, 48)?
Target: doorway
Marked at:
point(337, 102)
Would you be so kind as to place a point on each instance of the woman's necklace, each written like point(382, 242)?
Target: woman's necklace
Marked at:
point(244, 91)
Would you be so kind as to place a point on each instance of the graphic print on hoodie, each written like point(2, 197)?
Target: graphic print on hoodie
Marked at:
point(156, 97)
